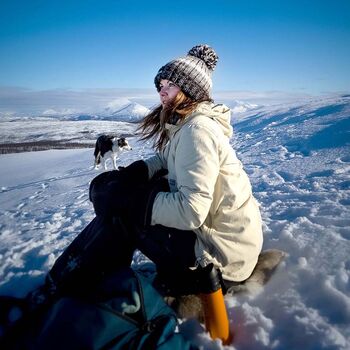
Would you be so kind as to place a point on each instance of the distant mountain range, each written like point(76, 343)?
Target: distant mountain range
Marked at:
point(240, 106)
point(121, 109)
point(118, 110)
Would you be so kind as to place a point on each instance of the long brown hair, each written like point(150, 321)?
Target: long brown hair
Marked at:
point(153, 125)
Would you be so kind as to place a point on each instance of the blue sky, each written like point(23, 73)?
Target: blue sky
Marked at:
point(289, 46)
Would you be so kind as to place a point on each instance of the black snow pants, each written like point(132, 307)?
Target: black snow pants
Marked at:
point(107, 244)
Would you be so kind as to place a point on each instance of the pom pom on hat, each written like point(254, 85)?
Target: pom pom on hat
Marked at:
point(206, 54)
point(192, 73)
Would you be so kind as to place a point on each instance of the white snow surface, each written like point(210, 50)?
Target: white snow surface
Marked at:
point(298, 159)
point(43, 129)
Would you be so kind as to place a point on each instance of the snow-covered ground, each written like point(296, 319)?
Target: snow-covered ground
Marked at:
point(298, 159)
point(43, 129)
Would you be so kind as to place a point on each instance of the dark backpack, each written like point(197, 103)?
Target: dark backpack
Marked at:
point(126, 312)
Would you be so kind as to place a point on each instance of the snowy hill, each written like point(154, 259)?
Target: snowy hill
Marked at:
point(240, 106)
point(117, 110)
point(124, 110)
point(298, 158)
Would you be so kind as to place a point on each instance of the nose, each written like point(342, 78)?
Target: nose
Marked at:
point(163, 90)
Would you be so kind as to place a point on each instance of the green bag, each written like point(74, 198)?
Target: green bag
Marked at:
point(125, 312)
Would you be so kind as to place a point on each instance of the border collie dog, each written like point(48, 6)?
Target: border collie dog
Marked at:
point(109, 148)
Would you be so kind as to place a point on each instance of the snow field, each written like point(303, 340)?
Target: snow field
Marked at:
point(298, 159)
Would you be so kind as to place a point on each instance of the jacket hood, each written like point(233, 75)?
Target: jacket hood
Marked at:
point(218, 112)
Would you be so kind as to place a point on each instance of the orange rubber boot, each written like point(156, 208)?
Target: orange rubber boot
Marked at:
point(216, 319)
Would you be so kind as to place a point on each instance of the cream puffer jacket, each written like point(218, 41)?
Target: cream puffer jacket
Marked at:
point(210, 192)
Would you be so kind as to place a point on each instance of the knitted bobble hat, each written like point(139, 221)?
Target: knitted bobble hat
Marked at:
point(191, 73)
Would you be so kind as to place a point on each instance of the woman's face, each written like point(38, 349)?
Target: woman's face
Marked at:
point(167, 91)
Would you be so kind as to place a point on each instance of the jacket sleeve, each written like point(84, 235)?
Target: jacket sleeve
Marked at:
point(196, 168)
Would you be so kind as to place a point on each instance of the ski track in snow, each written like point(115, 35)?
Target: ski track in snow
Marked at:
point(298, 160)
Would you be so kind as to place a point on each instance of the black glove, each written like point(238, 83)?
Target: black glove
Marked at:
point(135, 173)
point(109, 190)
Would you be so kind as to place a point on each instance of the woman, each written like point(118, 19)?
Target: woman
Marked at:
point(210, 194)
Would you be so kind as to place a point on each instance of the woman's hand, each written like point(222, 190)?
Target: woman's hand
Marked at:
point(109, 191)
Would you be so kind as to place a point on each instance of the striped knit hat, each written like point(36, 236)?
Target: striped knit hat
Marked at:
point(192, 73)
